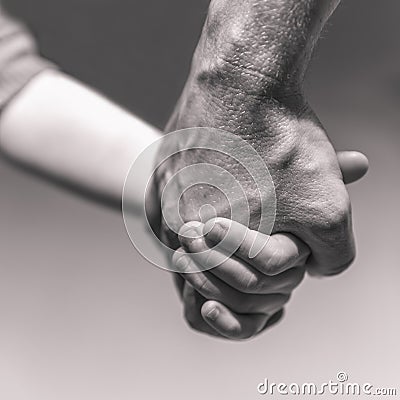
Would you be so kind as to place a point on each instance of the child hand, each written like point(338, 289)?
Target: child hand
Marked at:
point(245, 292)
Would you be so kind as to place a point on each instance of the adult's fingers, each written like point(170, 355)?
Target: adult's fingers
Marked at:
point(192, 305)
point(269, 254)
point(353, 164)
point(332, 239)
point(213, 318)
point(233, 325)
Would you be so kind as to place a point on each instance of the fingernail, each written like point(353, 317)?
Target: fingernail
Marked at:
point(191, 230)
point(213, 314)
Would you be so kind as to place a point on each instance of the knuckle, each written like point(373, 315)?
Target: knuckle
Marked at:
point(205, 288)
point(252, 284)
point(332, 239)
point(336, 214)
point(330, 228)
point(274, 260)
point(177, 255)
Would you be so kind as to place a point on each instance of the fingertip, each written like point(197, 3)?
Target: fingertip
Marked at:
point(231, 325)
point(355, 155)
point(178, 253)
point(210, 310)
point(193, 301)
point(190, 232)
point(281, 253)
point(221, 319)
point(359, 159)
point(226, 234)
point(354, 165)
point(215, 228)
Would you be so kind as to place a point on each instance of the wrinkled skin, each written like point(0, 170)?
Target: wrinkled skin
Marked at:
point(246, 78)
point(244, 98)
point(312, 201)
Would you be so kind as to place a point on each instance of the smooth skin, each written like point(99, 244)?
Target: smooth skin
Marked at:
point(70, 133)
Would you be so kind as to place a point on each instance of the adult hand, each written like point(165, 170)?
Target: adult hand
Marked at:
point(213, 299)
point(246, 78)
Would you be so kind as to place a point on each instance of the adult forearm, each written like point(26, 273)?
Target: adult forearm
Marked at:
point(260, 45)
point(249, 66)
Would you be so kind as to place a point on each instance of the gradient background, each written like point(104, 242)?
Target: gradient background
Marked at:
point(83, 316)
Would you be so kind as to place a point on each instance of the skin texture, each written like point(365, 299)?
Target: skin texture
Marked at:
point(278, 268)
point(224, 92)
point(246, 78)
point(247, 293)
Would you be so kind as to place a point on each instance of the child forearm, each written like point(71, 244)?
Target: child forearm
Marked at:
point(63, 129)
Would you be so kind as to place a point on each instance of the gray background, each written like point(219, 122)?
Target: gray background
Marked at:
point(84, 317)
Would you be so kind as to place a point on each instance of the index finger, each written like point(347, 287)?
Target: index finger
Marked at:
point(270, 254)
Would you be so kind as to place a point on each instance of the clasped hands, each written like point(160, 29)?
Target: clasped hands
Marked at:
point(230, 88)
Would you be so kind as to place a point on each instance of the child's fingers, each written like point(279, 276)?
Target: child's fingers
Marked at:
point(270, 254)
point(230, 324)
point(282, 252)
point(249, 280)
point(238, 273)
point(212, 288)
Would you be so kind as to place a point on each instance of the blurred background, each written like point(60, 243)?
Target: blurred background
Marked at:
point(83, 316)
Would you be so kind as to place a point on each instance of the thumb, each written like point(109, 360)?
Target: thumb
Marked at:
point(353, 164)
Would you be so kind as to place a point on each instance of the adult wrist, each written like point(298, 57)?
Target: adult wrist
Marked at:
point(259, 47)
